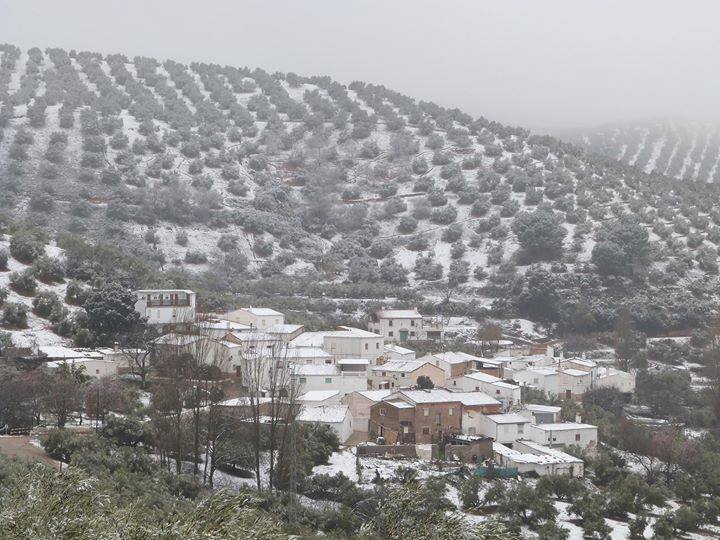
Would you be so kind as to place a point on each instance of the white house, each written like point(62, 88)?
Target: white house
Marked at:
point(541, 378)
point(259, 318)
point(327, 377)
point(349, 342)
point(336, 417)
point(398, 325)
point(218, 328)
point(565, 433)
point(622, 380)
point(166, 306)
point(396, 352)
point(95, 368)
point(528, 456)
point(454, 364)
point(574, 382)
point(506, 393)
point(285, 332)
point(504, 428)
point(541, 414)
point(513, 364)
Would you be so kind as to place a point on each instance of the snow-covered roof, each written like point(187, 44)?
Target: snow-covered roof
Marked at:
point(542, 408)
point(398, 314)
point(397, 349)
point(564, 426)
point(56, 351)
point(261, 312)
point(545, 371)
point(582, 362)
point(243, 402)
point(400, 366)
point(509, 418)
point(284, 328)
point(307, 352)
point(483, 377)
point(330, 414)
point(545, 455)
point(310, 339)
point(318, 395)
point(399, 404)
point(349, 331)
point(72, 361)
point(440, 395)
point(309, 369)
point(576, 372)
point(528, 358)
point(353, 362)
point(452, 357)
point(224, 325)
point(375, 395)
point(163, 291)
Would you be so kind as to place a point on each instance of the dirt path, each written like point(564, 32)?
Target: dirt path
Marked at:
point(21, 447)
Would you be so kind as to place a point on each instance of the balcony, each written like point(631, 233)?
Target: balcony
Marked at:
point(168, 302)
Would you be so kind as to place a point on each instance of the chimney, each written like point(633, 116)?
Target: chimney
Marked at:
point(578, 419)
point(116, 346)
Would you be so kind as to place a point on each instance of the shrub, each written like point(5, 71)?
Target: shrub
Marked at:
point(49, 269)
point(15, 315)
point(195, 257)
point(24, 282)
point(181, 238)
point(3, 259)
point(3, 295)
point(227, 242)
point(45, 303)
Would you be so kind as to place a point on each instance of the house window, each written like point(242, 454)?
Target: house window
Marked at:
point(390, 334)
point(384, 374)
point(406, 429)
point(454, 383)
point(97, 372)
point(377, 344)
point(521, 429)
point(426, 431)
point(497, 392)
point(477, 388)
point(535, 381)
point(366, 346)
point(402, 374)
point(450, 411)
point(412, 323)
point(412, 334)
point(426, 412)
point(303, 380)
point(383, 412)
point(438, 419)
point(262, 322)
point(328, 380)
point(390, 323)
point(328, 360)
point(577, 437)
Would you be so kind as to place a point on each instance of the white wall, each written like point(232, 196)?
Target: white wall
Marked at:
point(502, 433)
point(390, 329)
point(561, 437)
point(370, 348)
point(345, 384)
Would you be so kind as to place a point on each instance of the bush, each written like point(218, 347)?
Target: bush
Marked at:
point(3, 259)
point(227, 242)
point(46, 303)
point(181, 238)
point(26, 247)
point(24, 282)
point(15, 315)
point(3, 295)
point(48, 269)
point(195, 257)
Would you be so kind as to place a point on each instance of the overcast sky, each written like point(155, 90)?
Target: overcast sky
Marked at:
point(535, 63)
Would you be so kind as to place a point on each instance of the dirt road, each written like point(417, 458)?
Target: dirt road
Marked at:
point(21, 447)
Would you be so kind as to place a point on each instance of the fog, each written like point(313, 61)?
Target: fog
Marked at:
point(540, 64)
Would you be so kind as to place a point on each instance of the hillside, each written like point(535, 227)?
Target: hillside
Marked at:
point(688, 151)
point(244, 181)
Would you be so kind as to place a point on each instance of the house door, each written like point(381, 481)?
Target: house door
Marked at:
point(403, 335)
point(568, 394)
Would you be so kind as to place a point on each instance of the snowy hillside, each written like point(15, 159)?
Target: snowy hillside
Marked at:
point(216, 169)
point(689, 151)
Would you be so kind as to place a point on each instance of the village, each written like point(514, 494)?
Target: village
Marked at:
point(370, 387)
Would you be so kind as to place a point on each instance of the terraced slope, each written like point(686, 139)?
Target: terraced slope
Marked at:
point(238, 174)
point(688, 151)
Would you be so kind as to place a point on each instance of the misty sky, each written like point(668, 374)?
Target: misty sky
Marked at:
point(535, 63)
